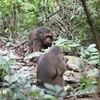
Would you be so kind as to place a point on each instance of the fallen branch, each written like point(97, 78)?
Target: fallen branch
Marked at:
point(19, 45)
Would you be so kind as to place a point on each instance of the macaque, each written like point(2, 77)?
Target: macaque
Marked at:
point(51, 67)
point(39, 38)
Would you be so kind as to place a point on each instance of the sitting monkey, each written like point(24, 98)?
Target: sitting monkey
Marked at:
point(51, 67)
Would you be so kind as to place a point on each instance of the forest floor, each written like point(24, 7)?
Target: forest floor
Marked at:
point(71, 76)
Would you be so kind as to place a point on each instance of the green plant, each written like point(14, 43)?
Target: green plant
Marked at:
point(15, 86)
point(90, 53)
point(87, 85)
point(50, 93)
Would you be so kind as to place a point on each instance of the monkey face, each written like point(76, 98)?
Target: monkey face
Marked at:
point(48, 40)
point(46, 36)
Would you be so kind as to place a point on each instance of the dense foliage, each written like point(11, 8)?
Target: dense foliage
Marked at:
point(65, 17)
point(71, 31)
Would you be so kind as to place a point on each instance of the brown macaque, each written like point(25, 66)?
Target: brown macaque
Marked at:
point(39, 38)
point(51, 67)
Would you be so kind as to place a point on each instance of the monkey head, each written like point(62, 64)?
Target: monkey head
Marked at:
point(46, 36)
point(56, 50)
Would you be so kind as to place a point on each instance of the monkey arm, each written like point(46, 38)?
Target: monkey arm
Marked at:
point(58, 80)
point(36, 46)
point(61, 68)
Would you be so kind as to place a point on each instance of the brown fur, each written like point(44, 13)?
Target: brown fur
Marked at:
point(39, 38)
point(51, 67)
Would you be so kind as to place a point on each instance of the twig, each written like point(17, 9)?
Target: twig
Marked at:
point(51, 15)
point(19, 45)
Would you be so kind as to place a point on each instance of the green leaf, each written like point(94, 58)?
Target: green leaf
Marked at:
point(49, 86)
point(86, 52)
point(92, 49)
point(35, 95)
point(93, 61)
point(60, 41)
point(21, 96)
point(13, 79)
point(47, 96)
point(92, 46)
point(72, 16)
point(58, 88)
point(62, 94)
point(94, 57)
point(35, 89)
point(41, 93)
point(95, 53)
point(93, 72)
point(74, 45)
point(85, 80)
point(79, 8)
point(7, 78)
point(51, 92)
